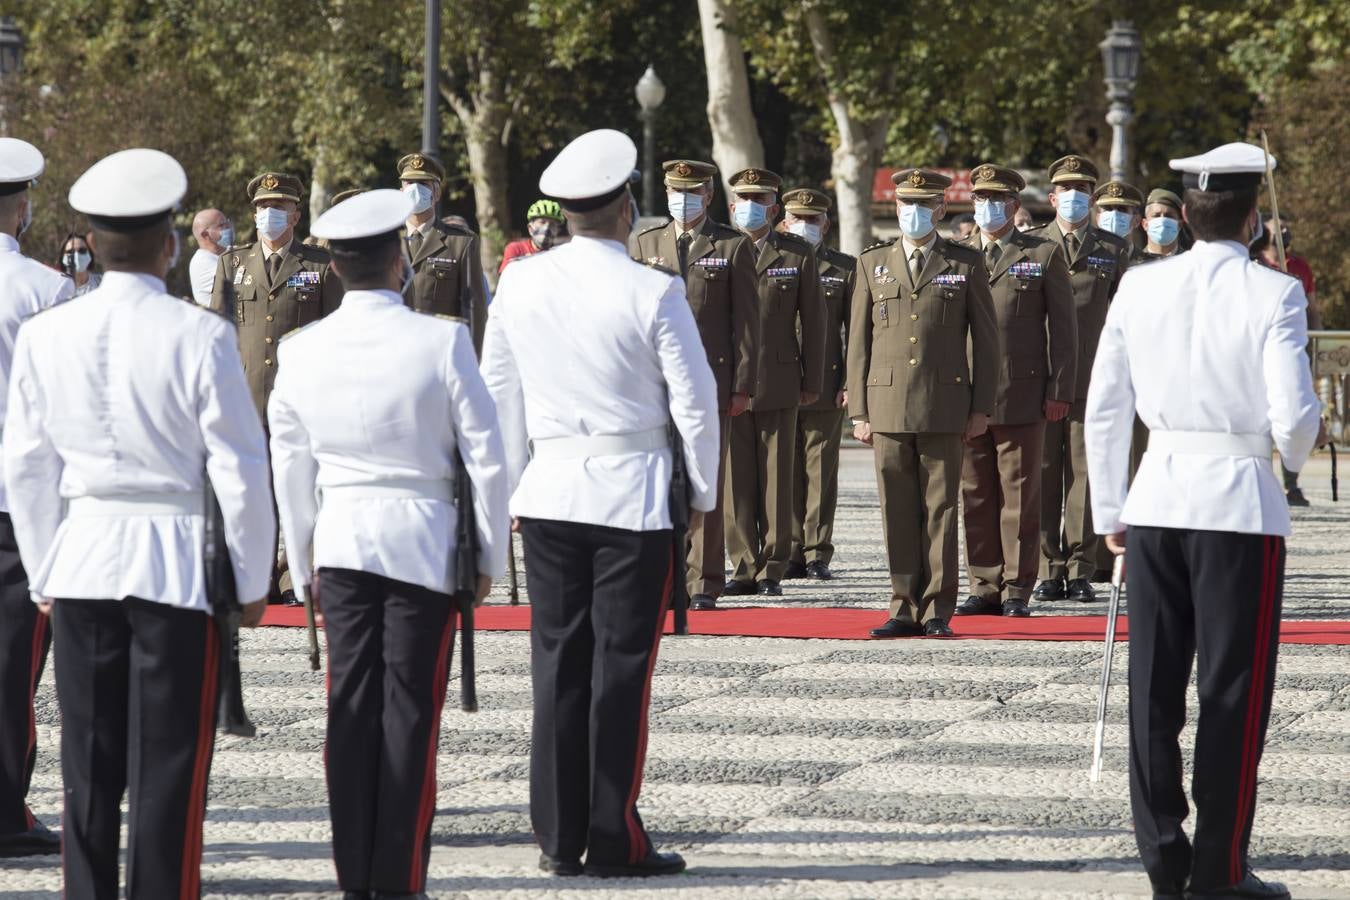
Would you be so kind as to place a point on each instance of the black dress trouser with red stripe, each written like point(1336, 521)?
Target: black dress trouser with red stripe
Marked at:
point(137, 686)
point(1214, 598)
point(389, 649)
point(598, 598)
point(24, 641)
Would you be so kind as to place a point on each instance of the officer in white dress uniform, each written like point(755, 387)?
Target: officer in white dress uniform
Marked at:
point(590, 356)
point(1210, 348)
point(363, 448)
point(26, 288)
point(121, 402)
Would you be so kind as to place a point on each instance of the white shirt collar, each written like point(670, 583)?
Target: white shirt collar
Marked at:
point(909, 247)
point(8, 243)
point(424, 229)
point(584, 241)
point(126, 281)
point(371, 298)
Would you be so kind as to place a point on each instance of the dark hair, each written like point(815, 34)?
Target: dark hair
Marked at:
point(1219, 215)
point(130, 251)
point(61, 252)
point(363, 263)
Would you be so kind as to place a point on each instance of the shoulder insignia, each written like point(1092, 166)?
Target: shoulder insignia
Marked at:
point(878, 245)
point(653, 229)
point(455, 230)
point(838, 258)
point(314, 253)
point(664, 270)
point(795, 244)
point(723, 232)
point(964, 252)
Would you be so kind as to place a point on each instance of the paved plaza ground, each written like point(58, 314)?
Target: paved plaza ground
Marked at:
point(802, 769)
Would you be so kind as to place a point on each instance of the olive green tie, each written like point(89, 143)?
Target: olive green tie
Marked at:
point(992, 252)
point(916, 265)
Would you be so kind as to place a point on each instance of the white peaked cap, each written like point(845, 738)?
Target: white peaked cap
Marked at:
point(130, 184)
point(365, 215)
point(1225, 168)
point(595, 166)
point(20, 163)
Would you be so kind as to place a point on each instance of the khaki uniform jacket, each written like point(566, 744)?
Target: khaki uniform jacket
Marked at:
point(1094, 273)
point(789, 306)
point(446, 269)
point(837, 271)
point(304, 290)
point(720, 285)
point(909, 370)
point(1033, 300)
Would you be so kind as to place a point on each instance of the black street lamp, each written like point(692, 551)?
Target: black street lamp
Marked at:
point(11, 61)
point(1120, 61)
point(431, 122)
point(650, 95)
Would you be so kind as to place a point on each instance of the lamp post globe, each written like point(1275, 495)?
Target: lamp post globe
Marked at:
point(1120, 65)
point(651, 93)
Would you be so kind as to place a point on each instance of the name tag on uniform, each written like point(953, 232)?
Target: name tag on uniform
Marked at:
point(441, 260)
point(712, 262)
point(304, 281)
point(949, 279)
point(238, 276)
point(832, 279)
point(783, 272)
point(1105, 263)
point(1025, 270)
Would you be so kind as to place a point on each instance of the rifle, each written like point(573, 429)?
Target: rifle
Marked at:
point(222, 593)
point(466, 554)
point(1335, 482)
point(679, 523)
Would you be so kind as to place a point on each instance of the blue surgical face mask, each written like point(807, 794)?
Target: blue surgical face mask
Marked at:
point(1073, 206)
point(684, 207)
point(749, 215)
point(807, 231)
point(1114, 221)
point(915, 221)
point(271, 222)
point(420, 195)
point(1163, 231)
point(990, 215)
point(226, 237)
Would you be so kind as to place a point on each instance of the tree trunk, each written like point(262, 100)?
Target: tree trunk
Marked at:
point(736, 142)
point(319, 184)
point(487, 172)
point(855, 156)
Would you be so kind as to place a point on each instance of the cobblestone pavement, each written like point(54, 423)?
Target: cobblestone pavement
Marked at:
point(803, 769)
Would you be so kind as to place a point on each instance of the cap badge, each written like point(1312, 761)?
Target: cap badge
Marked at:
point(1114, 190)
point(916, 178)
point(417, 162)
point(986, 173)
point(1203, 181)
point(752, 177)
point(269, 183)
point(683, 170)
point(1071, 164)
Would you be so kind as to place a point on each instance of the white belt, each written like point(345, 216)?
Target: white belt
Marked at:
point(393, 489)
point(1210, 443)
point(144, 504)
point(600, 444)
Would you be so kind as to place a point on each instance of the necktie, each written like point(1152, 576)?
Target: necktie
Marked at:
point(915, 265)
point(273, 263)
point(415, 243)
point(1071, 241)
point(991, 254)
point(682, 245)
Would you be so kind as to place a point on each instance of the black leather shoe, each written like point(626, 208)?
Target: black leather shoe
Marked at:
point(1080, 589)
point(288, 598)
point(564, 868)
point(36, 841)
point(1049, 590)
point(937, 628)
point(654, 864)
point(1296, 498)
point(1015, 608)
point(735, 588)
point(703, 602)
point(770, 588)
point(1249, 886)
point(894, 628)
point(979, 606)
point(818, 570)
point(795, 570)
point(1100, 576)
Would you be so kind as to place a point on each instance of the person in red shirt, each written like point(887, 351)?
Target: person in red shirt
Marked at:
point(1297, 266)
point(545, 222)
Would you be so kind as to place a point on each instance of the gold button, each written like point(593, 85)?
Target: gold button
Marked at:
point(271, 296)
point(914, 317)
point(913, 340)
point(835, 366)
point(721, 360)
point(914, 296)
point(958, 379)
point(269, 318)
point(913, 362)
point(268, 362)
point(267, 340)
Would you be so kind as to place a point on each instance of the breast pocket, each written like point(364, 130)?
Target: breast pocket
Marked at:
point(951, 300)
point(707, 285)
point(782, 295)
point(885, 307)
point(246, 304)
point(1028, 299)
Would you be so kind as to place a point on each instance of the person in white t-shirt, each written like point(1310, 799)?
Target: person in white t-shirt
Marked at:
point(214, 233)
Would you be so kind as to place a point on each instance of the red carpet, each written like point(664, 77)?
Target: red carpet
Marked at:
point(853, 624)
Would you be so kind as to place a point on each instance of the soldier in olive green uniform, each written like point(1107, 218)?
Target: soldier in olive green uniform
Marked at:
point(763, 443)
point(447, 270)
point(914, 391)
point(1097, 259)
point(820, 424)
point(718, 266)
point(1001, 474)
point(272, 286)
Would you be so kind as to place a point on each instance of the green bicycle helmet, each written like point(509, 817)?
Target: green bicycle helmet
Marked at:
point(544, 209)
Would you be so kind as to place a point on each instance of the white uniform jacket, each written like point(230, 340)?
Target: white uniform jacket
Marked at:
point(1212, 346)
point(120, 402)
point(369, 406)
point(583, 342)
point(27, 287)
